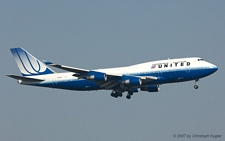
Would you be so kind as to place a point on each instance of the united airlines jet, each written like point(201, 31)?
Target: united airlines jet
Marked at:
point(140, 77)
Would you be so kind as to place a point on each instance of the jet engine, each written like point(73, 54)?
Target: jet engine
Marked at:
point(97, 77)
point(132, 81)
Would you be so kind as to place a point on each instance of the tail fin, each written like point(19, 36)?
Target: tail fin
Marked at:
point(28, 64)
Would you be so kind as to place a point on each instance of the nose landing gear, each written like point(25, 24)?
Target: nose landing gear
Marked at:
point(196, 84)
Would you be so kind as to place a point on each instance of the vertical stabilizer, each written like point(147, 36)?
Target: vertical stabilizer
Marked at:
point(28, 64)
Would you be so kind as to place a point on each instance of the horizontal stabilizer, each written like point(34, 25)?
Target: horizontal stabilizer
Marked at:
point(27, 79)
point(47, 62)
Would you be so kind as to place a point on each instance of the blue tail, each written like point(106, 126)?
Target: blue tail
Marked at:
point(28, 64)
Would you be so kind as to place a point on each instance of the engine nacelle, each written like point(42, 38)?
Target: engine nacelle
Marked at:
point(97, 77)
point(153, 88)
point(134, 81)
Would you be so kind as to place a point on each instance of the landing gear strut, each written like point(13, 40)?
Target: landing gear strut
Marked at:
point(129, 94)
point(196, 84)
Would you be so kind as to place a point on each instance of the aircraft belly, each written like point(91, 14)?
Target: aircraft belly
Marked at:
point(80, 85)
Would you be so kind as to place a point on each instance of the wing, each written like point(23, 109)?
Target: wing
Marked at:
point(82, 72)
point(71, 69)
point(148, 78)
point(106, 80)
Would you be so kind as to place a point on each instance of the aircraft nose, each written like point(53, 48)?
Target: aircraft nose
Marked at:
point(214, 68)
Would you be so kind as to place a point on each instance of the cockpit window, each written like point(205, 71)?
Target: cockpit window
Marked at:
point(200, 59)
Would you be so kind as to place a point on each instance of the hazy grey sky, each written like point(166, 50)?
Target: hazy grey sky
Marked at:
point(99, 34)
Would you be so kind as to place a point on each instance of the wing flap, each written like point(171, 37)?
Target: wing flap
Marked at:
point(109, 84)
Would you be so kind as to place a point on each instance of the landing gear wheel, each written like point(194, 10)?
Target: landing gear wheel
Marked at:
point(130, 93)
point(196, 86)
point(116, 94)
point(128, 96)
point(112, 94)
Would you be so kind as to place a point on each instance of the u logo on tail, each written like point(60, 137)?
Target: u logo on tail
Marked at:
point(28, 64)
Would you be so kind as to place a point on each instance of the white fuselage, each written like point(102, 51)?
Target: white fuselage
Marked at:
point(168, 71)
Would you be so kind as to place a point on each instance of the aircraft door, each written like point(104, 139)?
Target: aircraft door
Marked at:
point(159, 72)
point(187, 69)
point(54, 83)
point(160, 69)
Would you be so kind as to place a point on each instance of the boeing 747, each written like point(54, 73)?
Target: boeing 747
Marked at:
point(131, 79)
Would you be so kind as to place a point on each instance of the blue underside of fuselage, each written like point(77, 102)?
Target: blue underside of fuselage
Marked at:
point(171, 76)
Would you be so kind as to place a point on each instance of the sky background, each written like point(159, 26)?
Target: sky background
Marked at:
point(100, 34)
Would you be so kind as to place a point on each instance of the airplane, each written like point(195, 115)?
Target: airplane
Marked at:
point(131, 79)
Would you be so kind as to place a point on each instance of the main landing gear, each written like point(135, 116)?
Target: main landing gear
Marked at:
point(119, 94)
point(116, 94)
point(196, 84)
